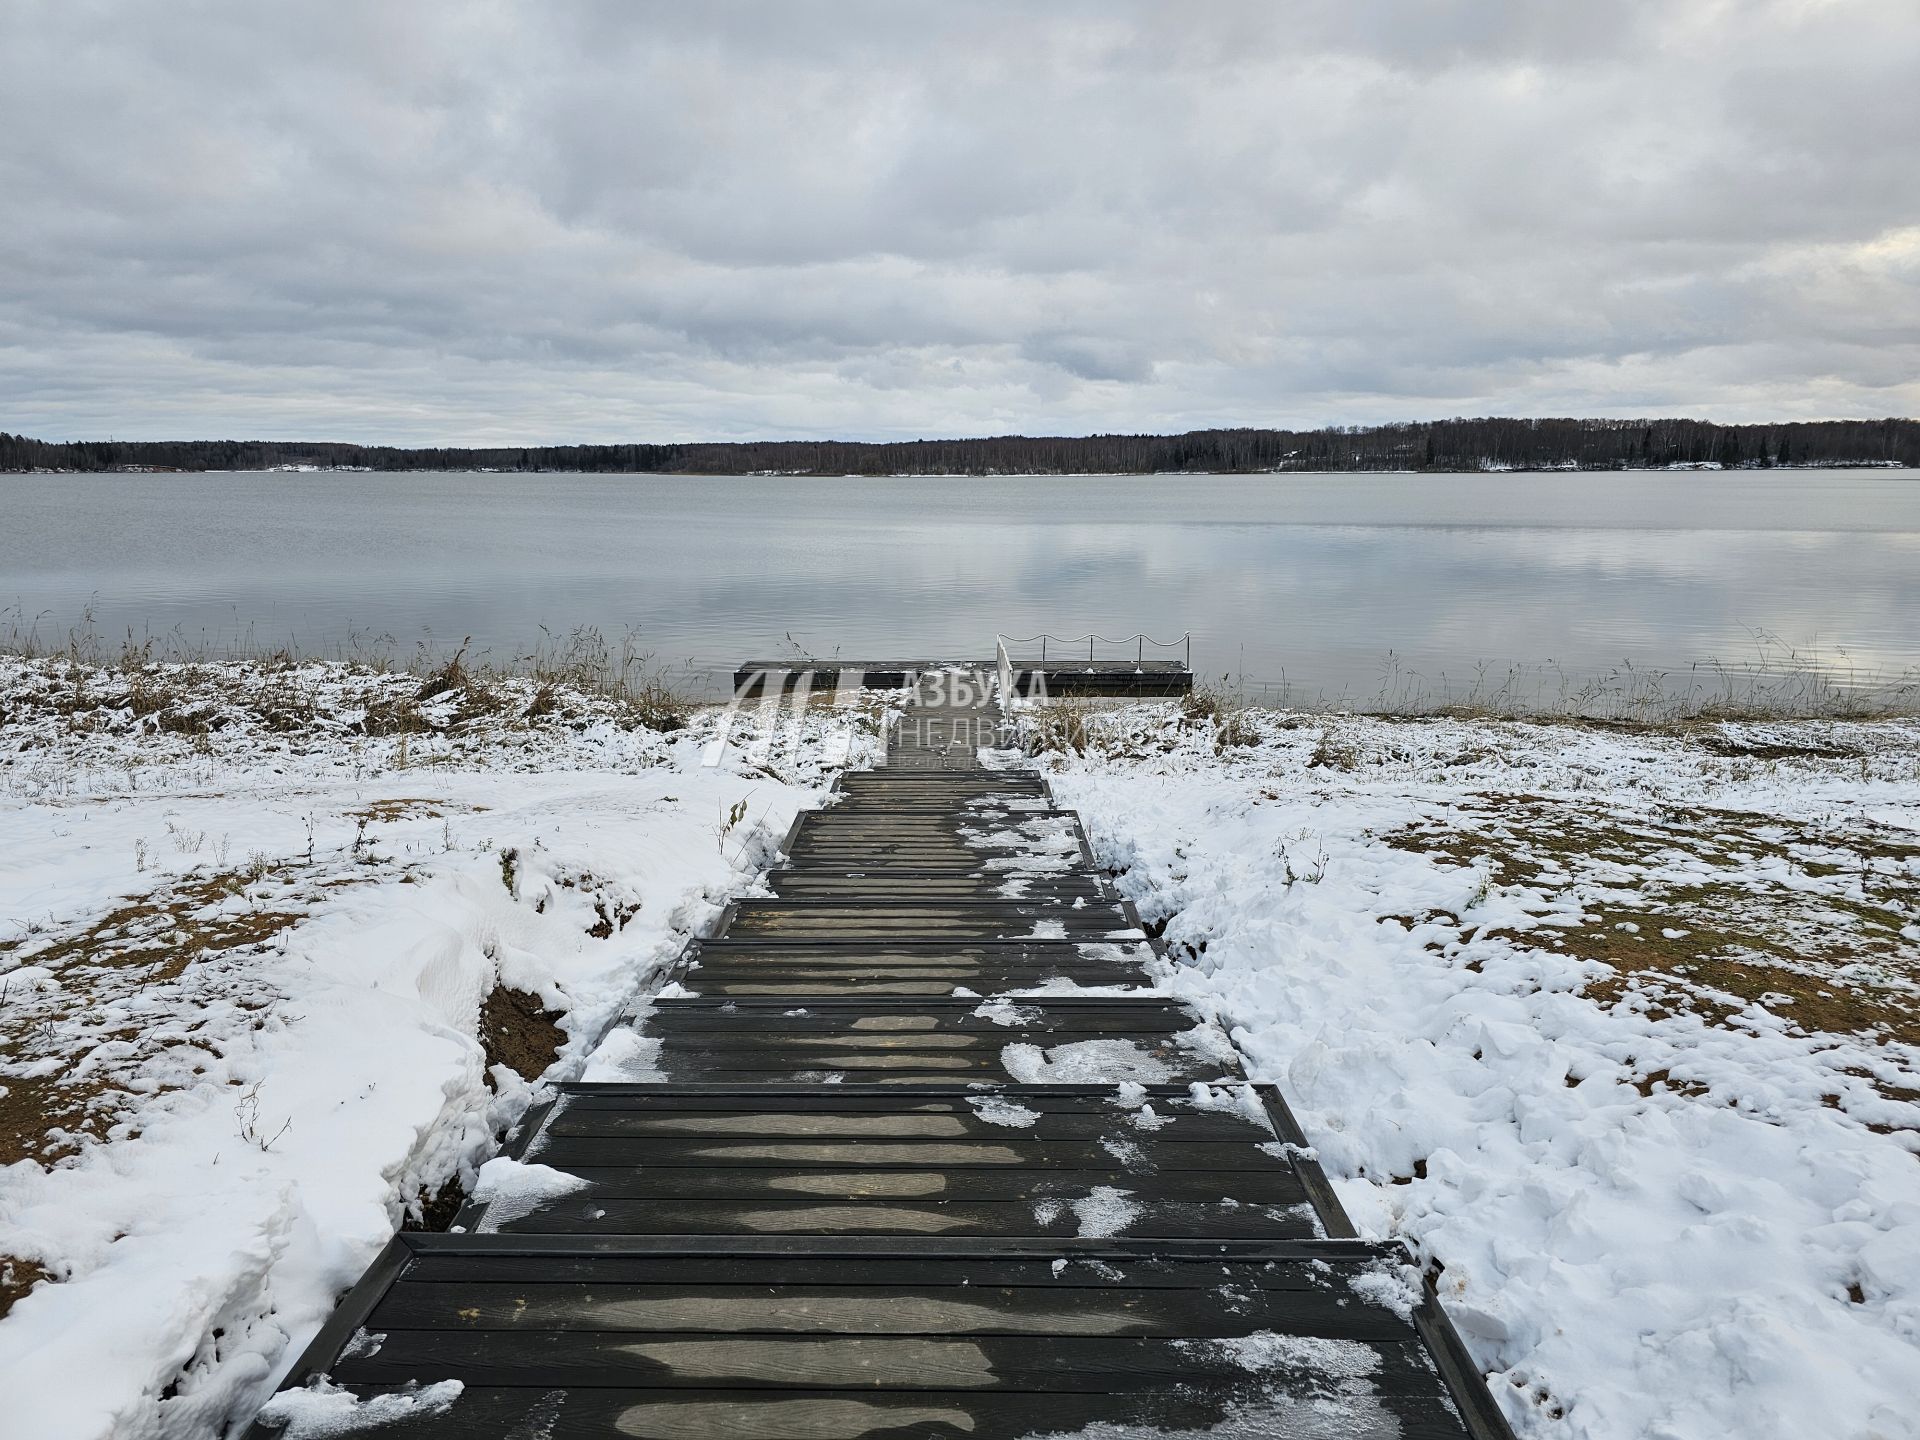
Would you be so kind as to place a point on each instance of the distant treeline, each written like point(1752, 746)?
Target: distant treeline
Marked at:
point(1438, 445)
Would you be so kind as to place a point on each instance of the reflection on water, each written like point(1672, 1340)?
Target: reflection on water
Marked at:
point(1328, 585)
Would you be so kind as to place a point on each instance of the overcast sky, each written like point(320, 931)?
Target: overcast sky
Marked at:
point(544, 220)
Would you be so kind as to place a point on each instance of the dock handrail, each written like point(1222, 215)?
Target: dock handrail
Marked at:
point(1139, 639)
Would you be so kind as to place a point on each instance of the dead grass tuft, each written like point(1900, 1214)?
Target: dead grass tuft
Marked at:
point(388, 811)
point(1334, 751)
point(1735, 747)
point(1059, 727)
point(1223, 711)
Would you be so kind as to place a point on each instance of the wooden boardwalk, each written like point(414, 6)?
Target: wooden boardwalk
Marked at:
point(915, 1150)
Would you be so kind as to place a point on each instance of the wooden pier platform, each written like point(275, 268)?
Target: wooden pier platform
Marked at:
point(917, 1148)
point(1061, 675)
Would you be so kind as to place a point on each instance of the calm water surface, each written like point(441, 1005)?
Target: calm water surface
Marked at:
point(1331, 584)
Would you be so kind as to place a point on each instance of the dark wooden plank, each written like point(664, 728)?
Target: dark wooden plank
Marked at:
point(555, 1260)
point(881, 960)
point(882, 778)
point(793, 1064)
point(1140, 1153)
point(1024, 830)
point(848, 1022)
point(967, 1050)
point(827, 1215)
point(939, 1098)
point(782, 964)
point(733, 1044)
point(910, 791)
point(621, 1413)
point(959, 786)
point(1025, 950)
point(1273, 1263)
point(950, 920)
point(882, 1309)
point(851, 884)
point(962, 1122)
point(630, 1414)
point(1272, 1184)
point(1065, 1364)
point(797, 985)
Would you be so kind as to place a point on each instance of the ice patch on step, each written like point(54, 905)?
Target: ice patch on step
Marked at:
point(1106, 1210)
point(1390, 1286)
point(1327, 1393)
point(1232, 1099)
point(1210, 1042)
point(511, 1189)
point(1002, 1011)
point(998, 1110)
point(1266, 1350)
point(323, 1410)
point(624, 1057)
point(1127, 1152)
point(1061, 985)
point(1084, 1062)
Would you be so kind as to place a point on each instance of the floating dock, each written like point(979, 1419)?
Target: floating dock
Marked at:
point(1141, 679)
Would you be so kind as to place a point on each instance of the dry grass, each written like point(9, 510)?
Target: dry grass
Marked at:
point(133, 995)
point(1710, 911)
point(166, 686)
point(1334, 751)
point(1059, 726)
point(382, 812)
point(1224, 711)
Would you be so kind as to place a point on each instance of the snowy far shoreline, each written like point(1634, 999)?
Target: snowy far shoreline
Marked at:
point(1616, 1027)
point(1488, 467)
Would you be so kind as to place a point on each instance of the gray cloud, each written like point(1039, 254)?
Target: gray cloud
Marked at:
point(599, 219)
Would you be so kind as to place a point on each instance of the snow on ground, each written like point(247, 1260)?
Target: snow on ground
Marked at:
point(259, 932)
point(1619, 1030)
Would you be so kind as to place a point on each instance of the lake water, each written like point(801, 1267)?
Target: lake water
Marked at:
point(1307, 587)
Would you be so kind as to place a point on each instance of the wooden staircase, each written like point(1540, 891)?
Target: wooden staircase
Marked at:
point(916, 1150)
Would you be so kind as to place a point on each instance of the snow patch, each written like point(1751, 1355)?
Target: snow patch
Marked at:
point(998, 1110)
point(624, 1057)
point(323, 1411)
point(1346, 1360)
point(512, 1189)
point(1083, 1062)
point(1102, 1212)
point(1002, 1011)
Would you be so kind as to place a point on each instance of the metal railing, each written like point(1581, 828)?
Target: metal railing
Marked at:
point(1140, 641)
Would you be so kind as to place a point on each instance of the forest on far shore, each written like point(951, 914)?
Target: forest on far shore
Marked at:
point(1433, 445)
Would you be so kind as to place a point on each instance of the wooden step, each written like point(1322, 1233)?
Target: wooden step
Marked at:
point(674, 1338)
point(943, 920)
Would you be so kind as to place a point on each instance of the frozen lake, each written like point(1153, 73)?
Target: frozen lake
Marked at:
point(1331, 585)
